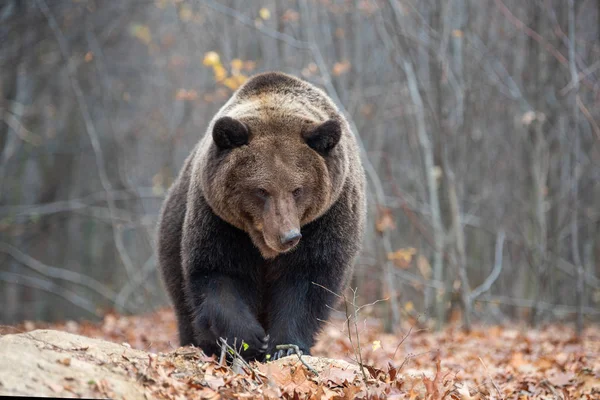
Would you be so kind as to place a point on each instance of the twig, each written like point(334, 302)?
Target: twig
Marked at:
point(491, 379)
point(541, 305)
point(57, 273)
point(487, 284)
point(402, 341)
point(358, 349)
point(556, 395)
point(50, 287)
point(73, 204)
point(236, 355)
point(298, 353)
point(349, 316)
point(223, 355)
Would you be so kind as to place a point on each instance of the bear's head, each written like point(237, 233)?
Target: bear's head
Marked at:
point(271, 168)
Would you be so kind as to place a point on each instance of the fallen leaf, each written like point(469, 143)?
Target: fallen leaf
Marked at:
point(561, 378)
point(351, 391)
point(338, 376)
point(463, 390)
point(214, 382)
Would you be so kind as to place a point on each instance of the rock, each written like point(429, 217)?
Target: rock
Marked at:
point(61, 364)
point(53, 363)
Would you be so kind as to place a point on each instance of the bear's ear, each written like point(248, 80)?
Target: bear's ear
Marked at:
point(324, 137)
point(229, 133)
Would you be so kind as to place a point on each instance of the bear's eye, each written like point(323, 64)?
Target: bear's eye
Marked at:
point(297, 192)
point(261, 193)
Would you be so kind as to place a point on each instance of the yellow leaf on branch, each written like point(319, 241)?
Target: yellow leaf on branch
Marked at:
point(402, 257)
point(211, 59)
point(264, 13)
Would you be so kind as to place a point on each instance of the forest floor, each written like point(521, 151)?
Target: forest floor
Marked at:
point(510, 362)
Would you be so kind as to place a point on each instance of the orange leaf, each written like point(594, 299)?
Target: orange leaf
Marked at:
point(385, 222)
point(340, 68)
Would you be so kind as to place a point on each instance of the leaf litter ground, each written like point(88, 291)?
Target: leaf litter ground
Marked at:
point(491, 362)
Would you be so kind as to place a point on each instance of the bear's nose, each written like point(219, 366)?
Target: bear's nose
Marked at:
point(290, 237)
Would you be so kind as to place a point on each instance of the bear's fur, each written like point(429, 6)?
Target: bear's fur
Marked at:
point(269, 205)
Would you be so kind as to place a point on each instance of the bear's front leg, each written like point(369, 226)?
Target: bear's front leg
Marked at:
point(223, 308)
point(297, 309)
point(221, 284)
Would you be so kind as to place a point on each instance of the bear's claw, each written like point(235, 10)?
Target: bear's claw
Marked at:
point(278, 354)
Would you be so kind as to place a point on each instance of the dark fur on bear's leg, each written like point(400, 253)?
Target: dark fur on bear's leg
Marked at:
point(186, 331)
point(222, 285)
point(224, 307)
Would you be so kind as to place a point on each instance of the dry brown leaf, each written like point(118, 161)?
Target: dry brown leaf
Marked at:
point(338, 376)
point(214, 382)
point(325, 393)
point(463, 390)
point(561, 379)
point(516, 360)
point(351, 391)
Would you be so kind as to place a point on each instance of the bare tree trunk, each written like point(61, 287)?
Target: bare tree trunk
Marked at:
point(461, 258)
point(576, 169)
point(539, 175)
point(434, 203)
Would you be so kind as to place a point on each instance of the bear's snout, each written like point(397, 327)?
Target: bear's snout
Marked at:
point(290, 238)
point(281, 225)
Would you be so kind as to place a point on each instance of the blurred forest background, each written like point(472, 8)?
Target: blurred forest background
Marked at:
point(479, 120)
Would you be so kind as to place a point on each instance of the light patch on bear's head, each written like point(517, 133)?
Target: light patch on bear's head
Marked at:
point(283, 165)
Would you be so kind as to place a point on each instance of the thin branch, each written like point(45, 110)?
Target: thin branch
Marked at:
point(72, 204)
point(489, 281)
point(491, 379)
point(541, 305)
point(579, 77)
point(402, 341)
point(236, 355)
point(362, 366)
point(128, 289)
point(293, 42)
point(50, 287)
point(298, 353)
point(58, 273)
point(22, 133)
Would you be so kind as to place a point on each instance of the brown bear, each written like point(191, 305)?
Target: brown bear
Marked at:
point(267, 210)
